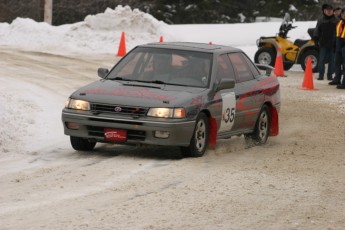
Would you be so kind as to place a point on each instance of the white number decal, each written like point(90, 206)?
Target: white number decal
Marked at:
point(228, 111)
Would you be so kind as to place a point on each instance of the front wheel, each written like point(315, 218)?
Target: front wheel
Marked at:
point(82, 144)
point(266, 56)
point(199, 141)
point(314, 55)
point(262, 128)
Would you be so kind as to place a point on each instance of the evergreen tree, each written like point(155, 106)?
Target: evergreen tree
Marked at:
point(231, 11)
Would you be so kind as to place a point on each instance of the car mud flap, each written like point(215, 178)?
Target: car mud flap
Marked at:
point(274, 129)
point(212, 141)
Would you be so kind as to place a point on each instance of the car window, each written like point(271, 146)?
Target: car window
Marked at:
point(252, 66)
point(224, 68)
point(242, 70)
point(133, 64)
point(183, 67)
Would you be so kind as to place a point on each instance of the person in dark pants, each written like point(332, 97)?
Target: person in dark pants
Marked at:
point(324, 37)
point(340, 53)
point(339, 50)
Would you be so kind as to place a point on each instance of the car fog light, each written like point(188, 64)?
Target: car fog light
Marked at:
point(72, 125)
point(162, 134)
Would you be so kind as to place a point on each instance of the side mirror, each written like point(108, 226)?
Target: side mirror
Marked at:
point(268, 68)
point(102, 72)
point(226, 84)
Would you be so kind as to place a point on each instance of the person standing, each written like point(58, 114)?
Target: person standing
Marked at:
point(340, 52)
point(324, 37)
point(336, 12)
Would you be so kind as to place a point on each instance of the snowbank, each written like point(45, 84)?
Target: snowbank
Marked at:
point(97, 33)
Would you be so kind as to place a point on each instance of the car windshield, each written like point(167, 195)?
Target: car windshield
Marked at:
point(164, 66)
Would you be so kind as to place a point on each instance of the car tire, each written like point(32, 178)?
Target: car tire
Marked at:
point(82, 144)
point(314, 58)
point(266, 56)
point(199, 141)
point(261, 130)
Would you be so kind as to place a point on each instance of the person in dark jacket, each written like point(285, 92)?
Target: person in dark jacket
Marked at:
point(340, 53)
point(324, 37)
point(337, 12)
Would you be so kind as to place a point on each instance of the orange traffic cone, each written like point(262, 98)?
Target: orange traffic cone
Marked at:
point(279, 67)
point(308, 82)
point(122, 47)
point(161, 39)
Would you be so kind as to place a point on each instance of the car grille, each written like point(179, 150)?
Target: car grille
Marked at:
point(119, 109)
point(131, 134)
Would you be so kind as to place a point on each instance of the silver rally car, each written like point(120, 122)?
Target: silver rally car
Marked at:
point(175, 94)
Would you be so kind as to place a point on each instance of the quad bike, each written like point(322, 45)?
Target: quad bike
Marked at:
point(292, 52)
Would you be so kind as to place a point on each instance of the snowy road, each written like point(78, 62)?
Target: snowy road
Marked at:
point(296, 181)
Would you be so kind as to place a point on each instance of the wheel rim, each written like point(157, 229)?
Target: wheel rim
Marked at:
point(264, 58)
point(263, 126)
point(313, 61)
point(200, 135)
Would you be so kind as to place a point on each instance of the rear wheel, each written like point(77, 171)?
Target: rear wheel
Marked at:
point(199, 141)
point(262, 128)
point(314, 55)
point(265, 56)
point(82, 144)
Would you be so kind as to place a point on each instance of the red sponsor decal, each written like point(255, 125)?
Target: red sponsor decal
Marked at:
point(131, 92)
point(199, 102)
point(115, 134)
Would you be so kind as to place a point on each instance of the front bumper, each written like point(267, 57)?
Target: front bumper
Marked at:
point(139, 130)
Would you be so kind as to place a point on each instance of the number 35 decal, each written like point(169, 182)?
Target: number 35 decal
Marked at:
point(228, 111)
point(229, 115)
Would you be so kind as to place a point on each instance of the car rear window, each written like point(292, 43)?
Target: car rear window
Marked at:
point(242, 70)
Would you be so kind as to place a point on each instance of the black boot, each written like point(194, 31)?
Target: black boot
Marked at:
point(334, 83)
point(342, 86)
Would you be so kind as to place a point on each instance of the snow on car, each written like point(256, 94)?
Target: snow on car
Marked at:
point(175, 94)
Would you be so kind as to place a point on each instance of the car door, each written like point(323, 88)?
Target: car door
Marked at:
point(249, 97)
point(224, 101)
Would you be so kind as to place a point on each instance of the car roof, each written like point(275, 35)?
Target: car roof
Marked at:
point(193, 46)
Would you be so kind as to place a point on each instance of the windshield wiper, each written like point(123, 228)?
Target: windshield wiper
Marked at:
point(166, 83)
point(135, 80)
point(157, 82)
point(154, 81)
point(121, 79)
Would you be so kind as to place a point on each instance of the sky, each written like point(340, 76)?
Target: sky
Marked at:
point(97, 34)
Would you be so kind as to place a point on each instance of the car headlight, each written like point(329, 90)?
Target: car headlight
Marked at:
point(166, 112)
point(77, 104)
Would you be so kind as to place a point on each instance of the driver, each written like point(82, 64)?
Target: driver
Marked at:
point(162, 67)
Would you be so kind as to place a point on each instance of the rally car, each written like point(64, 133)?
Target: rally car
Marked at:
point(175, 94)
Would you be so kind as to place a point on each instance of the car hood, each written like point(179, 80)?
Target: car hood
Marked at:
point(137, 94)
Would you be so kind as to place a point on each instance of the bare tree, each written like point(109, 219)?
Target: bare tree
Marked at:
point(48, 11)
